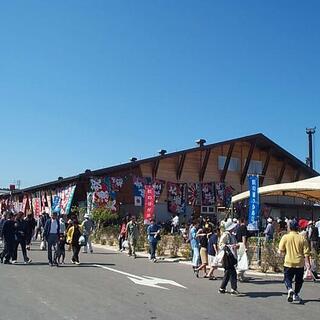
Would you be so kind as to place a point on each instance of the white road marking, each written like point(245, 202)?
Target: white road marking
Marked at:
point(144, 280)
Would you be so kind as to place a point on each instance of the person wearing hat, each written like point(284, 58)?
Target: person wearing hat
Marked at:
point(228, 243)
point(296, 250)
point(87, 227)
point(269, 230)
point(51, 235)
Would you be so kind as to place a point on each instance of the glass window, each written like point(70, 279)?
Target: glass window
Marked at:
point(234, 164)
point(255, 167)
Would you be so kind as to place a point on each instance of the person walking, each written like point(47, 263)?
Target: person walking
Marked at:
point(122, 233)
point(73, 236)
point(313, 239)
point(30, 227)
point(195, 247)
point(153, 232)
point(38, 229)
point(269, 230)
point(228, 244)
point(212, 252)
point(87, 228)
point(8, 234)
point(202, 235)
point(51, 235)
point(132, 234)
point(20, 239)
point(296, 250)
point(241, 237)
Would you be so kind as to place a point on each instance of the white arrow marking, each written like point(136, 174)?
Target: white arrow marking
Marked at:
point(144, 280)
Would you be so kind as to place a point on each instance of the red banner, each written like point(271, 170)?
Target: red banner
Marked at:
point(149, 202)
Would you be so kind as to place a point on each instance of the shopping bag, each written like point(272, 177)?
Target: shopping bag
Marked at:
point(243, 264)
point(308, 276)
point(217, 262)
point(42, 245)
point(82, 241)
point(125, 244)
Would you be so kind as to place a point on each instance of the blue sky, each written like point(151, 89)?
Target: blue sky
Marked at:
point(88, 84)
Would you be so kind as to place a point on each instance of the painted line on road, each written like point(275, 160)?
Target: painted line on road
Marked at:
point(144, 280)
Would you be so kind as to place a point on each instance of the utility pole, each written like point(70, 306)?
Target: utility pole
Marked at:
point(310, 132)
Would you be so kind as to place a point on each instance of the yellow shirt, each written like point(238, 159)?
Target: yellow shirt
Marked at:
point(296, 248)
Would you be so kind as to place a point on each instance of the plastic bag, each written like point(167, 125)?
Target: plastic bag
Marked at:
point(219, 259)
point(243, 262)
point(82, 241)
point(125, 244)
point(42, 245)
point(308, 276)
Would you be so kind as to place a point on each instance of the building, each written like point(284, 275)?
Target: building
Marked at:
point(203, 178)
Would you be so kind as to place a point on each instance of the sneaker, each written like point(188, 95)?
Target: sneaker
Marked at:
point(6, 262)
point(222, 290)
point(72, 262)
point(296, 298)
point(77, 263)
point(154, 260)
point(28, 261)
point(234, 292)
point(14, 261)
point(290, 295)
point(91, 251)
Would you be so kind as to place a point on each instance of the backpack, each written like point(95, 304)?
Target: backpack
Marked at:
point(229, 260)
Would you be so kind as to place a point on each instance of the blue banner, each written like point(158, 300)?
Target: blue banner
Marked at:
point(254, 203)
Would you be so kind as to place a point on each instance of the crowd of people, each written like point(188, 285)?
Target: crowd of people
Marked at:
point(225, 245)
point(54, 232)
point(213, 244)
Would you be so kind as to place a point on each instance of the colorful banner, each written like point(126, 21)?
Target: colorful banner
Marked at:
point(220, 194)
point(24, 203)
point(36, 204)
point(194, 194)
point(149, 203)
point(66, 199)
point(158, 186)
point(176, 197)
point(104, 191)
point(138, 190)
point(254, 203)
point(207, 191)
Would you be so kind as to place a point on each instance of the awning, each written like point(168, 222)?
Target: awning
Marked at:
point(308, 189)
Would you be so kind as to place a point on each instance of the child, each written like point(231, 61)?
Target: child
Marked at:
point(61, 252)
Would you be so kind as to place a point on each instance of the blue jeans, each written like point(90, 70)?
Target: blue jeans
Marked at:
point(52, 243)
point(153, 248)
point(196, 257)
point(289, 274)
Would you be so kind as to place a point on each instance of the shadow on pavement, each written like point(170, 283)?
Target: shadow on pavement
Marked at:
point(310, 300)
point(263, 294)
point(262, 281)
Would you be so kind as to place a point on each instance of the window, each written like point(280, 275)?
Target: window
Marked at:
point(255, 167)
point(234, 164)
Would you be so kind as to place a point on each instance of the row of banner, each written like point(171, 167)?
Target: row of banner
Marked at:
point(59, 200)
point(103, 193)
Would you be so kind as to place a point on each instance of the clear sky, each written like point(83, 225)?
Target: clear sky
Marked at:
point(89, 84)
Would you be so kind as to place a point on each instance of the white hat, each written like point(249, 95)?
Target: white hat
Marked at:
point(310, 222)
point(86, 215)
point(269, 220)
point(229, 225)
point(235, 220)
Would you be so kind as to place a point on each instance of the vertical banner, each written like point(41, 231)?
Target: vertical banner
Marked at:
point(71, 191)
point(253, 203)
point(149, 203)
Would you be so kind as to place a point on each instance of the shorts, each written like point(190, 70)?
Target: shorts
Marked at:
point(212, 261)
point(204, 255)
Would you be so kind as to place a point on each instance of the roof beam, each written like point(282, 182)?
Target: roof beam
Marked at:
point(297, 177)
point(204, 165)
point(226, 164)
point(181, 165)
point(155, 168)
point(246, 166)
point(265, 167)
point(283, 168)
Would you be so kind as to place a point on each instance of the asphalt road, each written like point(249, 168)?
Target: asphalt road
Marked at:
point(114, 290)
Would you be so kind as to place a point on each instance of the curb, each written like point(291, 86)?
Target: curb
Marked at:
point(186, 262)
